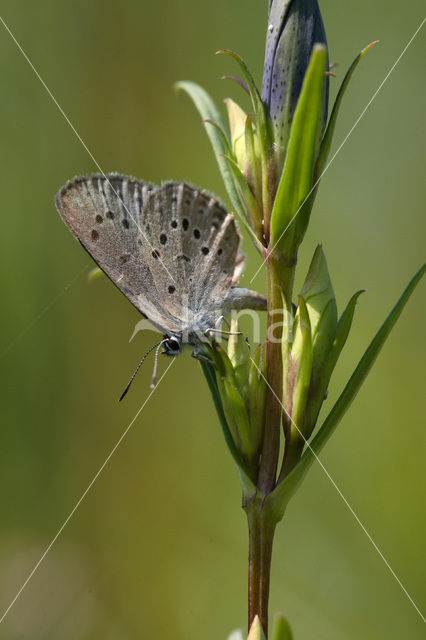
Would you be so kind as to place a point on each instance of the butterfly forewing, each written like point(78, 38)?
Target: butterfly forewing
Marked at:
point(104, 214)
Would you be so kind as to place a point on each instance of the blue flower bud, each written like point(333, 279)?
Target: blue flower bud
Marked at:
point(294, 26)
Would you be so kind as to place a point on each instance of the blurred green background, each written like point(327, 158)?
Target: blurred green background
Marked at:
point(158, 547)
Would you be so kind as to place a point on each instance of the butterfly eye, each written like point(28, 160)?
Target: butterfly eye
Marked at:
point(173, 345)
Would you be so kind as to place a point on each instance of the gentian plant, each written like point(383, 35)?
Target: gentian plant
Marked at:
point(271, 161)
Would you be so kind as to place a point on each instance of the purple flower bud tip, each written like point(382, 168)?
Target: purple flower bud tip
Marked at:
point(294, 26)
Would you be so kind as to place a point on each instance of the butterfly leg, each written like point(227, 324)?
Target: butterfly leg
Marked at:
point(222, 332)
point(240, 298)
point(219, 322)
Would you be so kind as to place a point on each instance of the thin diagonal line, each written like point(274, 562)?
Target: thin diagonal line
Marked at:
point(79, 138)
point(343, 498)
point(345, 139)
point(41, 313)
point(80, 500)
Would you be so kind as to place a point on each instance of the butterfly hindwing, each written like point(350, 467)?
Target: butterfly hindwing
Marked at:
point(198, 242)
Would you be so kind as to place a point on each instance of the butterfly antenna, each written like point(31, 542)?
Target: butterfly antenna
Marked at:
point(154, 373)
point(157, 344)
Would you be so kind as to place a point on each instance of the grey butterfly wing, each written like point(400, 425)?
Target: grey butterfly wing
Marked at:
point(240, 263)
point(104, 214)
point(198, 242)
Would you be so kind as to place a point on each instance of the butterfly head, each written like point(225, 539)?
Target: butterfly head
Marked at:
point(172, 345)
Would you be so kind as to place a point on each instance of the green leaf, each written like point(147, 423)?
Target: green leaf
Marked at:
point(237, 118)
point(282, 630)
point(238, 410)
point(223, 363)
point(343, 328)
point(253, 165)
point(222, 134)
point(302, 355)
point(210, 114)
point(328, 135)
point(320, 384)
point(256, 395)
point(246, 483)
point(239, 355)
point(318, 293)
point(279, 498)
point(258, 106)
point(297, 175)
point(262, 125)
point(251, 215)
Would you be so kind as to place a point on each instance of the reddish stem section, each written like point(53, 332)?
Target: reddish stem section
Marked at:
point(261, 536)
point(261, 524)
point(271, 441)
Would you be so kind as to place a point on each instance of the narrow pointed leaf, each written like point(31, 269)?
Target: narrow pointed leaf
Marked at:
point(222, 134)
point(246, 483)
point(317, 392)
point(256, 396)
point(223, 363)
point(343, 328)
point(208, 111)
point(303, 345)
point(251, 210)
point(240, 82)
point(297, 176)
point(328, 136)
point(318, 294)
point(237, 118)
point(289, 329)
point(258, 107)
point(253, 164)
point(239, 355)
point(279, 498)
point(262, 125)
point(239, 411)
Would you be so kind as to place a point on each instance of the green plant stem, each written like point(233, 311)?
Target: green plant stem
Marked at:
point(260, 521)
point(261, 536)
point(280, 281)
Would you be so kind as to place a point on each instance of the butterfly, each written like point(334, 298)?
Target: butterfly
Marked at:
point(172, 250)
